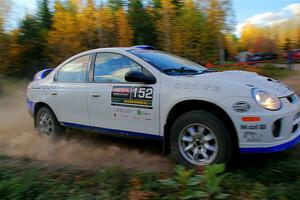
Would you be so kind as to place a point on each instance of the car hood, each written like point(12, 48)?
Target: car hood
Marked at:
point(249, 79)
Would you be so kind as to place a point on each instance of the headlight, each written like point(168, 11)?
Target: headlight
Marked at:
point(266, 100)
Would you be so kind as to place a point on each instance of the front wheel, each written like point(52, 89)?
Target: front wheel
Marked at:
point(200, 138)
point(46, 123)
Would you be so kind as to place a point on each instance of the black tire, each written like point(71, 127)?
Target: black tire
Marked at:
point(55, 130)
point(210, 121)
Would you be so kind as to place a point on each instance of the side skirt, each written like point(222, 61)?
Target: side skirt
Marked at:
point(112, 131)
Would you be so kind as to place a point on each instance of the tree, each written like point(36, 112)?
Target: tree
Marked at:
point(248, 34)
point(297, 44)
point(87, 24)
point(106, 28)
point(115, 4)
point(231, 46)
point(287, 45)
point(125, 33)
point(219, 15)
point(62, 38)
point(32, 45)
point(188, 33)
point(4, 37)
point(44, 15)
point(165, 24)
point(142, 23)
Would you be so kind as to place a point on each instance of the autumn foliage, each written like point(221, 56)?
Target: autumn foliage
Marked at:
point(199, 30)
point(55, 32)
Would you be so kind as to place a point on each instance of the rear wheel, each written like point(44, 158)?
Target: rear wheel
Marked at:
point(47, 124)
point(200, 138)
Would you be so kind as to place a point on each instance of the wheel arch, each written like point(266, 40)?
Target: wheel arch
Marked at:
point(37, 107)
point(189, 105)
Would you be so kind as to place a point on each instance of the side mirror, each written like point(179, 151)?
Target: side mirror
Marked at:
point(136, 76)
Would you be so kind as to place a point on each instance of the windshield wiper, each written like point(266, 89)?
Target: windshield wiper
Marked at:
point(181, 70)
point(208, 70)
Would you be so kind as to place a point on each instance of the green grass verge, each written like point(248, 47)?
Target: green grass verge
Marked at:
point(258, 178)
point(275, 72)
point(268, 70)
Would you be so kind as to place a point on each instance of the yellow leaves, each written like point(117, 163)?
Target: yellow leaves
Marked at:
point(64, 36)
point(269, 38)
point(125, 33)
point(86, 28)
point(105, 18)
point(106, 27)
point(189, 4)
point(231, 45)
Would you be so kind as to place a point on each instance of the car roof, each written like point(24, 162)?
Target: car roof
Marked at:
point(108, 49)
point(116, 49)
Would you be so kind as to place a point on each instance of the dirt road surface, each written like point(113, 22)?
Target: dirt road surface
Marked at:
point(76, 148)
point(88, 150)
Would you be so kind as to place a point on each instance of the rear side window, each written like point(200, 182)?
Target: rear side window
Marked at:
point(74, 71)
point(112, 67)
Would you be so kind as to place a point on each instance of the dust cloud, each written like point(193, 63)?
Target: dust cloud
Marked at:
point(18, 138)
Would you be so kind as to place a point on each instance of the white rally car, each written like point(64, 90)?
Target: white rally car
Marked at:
point(201, 115)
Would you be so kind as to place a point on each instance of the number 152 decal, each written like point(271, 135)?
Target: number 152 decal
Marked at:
point(131, 96)
point(142, 93)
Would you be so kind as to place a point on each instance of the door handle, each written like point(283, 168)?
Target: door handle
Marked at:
point(53, 93)
point(95, 95)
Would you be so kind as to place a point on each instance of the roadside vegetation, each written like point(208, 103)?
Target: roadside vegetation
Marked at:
point(268, 70)
point(274, 177)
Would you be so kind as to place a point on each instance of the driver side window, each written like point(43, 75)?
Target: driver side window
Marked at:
point(74, 71)
point(112, 67)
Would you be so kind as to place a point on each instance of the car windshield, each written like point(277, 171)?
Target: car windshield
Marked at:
point(168, 63)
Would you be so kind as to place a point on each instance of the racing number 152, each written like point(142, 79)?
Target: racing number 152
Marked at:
point(142, 92)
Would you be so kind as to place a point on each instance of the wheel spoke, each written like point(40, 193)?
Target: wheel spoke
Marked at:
point(195, 154)
point(192, 131)
point(209, 147)
point(187, 139)
point(189, 147)
point(208, 137)
point(200, 130)
point(204, 153)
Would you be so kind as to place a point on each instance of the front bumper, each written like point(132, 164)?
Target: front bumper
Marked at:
point(260, 136)
point(275, 148)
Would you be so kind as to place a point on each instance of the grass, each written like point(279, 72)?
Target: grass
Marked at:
point(274, 179)
point(258, 178)
point(45, 183)
point(275, 72)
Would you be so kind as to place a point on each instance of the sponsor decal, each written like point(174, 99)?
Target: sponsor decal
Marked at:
point(253, 127)
point(195, 86)
point(241, 106)
point(133, 113)
point(131, 96)
point(252, 136)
